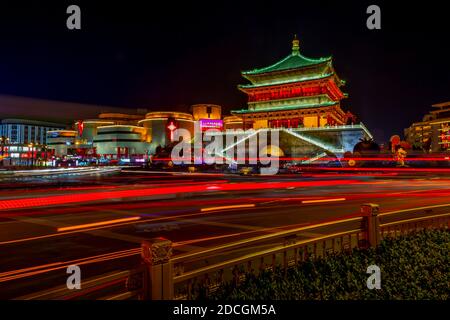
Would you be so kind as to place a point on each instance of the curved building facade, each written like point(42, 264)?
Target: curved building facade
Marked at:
point(121, 141)
point(160, 126)
point(61, 141)
point(120, 118)
point(206, 111)
point(233, 123)
point(130, 136)
point(87, 129)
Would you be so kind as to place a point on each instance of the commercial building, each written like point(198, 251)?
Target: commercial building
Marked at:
point(432, 134)
point(109, 136)
point(160, 126)
point(61, 141)
point(121, 141)
point(48, 129)
point(23, 142)
point(119, 136)
point(24, 132)
point(23, 155)
point(209, 116)
point(233, 123)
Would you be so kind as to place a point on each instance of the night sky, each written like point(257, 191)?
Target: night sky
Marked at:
point(168, 55)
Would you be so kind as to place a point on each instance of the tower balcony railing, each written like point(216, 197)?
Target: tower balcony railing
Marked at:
point(327, 128)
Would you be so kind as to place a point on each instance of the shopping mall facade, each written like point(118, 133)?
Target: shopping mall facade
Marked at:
point(132, 137)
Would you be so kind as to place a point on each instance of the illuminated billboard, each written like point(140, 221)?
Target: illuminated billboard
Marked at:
point(206, 124)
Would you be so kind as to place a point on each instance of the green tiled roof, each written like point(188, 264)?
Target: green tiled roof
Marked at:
point(292, 61)
point(283, 108)
point(292, 80)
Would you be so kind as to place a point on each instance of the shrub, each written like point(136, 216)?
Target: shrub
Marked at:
point(416, 266)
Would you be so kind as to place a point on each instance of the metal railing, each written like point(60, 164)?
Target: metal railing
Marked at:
point(285, 256)
point(209, 268)
point(432, 217)
point(161, 276)
point(185, 276)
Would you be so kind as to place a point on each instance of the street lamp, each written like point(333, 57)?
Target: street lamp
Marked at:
point(45, 148)
point(3, 140)
point(32, 154)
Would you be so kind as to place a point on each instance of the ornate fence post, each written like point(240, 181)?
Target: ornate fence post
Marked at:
point(158, 278)
point(370, 212)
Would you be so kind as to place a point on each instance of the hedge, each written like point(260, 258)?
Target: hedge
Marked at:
point(416, 266)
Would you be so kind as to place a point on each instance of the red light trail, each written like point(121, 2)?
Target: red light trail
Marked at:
point(136, 193)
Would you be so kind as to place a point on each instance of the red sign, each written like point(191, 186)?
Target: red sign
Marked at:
point(80, 127)
point(206, 124)
point(171, 128)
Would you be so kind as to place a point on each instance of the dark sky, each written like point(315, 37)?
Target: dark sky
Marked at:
point(169, 55)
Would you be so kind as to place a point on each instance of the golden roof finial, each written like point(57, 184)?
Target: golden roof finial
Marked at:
point(295, 45)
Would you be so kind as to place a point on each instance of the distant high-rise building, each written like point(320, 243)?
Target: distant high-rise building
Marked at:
point(433, 132)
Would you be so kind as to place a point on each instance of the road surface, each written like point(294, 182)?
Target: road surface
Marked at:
point(99, 221)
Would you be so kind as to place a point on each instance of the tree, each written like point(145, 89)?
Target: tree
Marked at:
point(366, 146)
